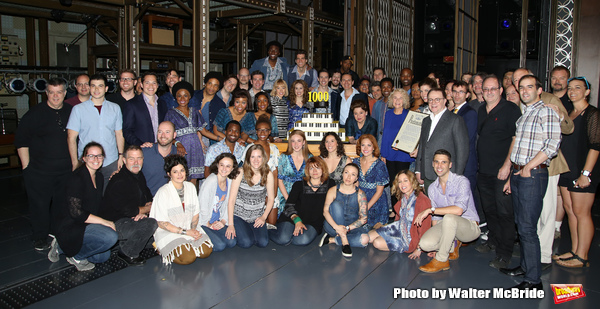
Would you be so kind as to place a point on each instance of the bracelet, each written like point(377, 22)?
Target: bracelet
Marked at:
point(297, 219)
point(183, 232)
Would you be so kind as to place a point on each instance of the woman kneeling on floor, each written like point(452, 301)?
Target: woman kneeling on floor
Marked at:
point(214, 195)
point(302, 218)
point(179, 239)
point(346, 213)
point(403, 235)
point(250, 200)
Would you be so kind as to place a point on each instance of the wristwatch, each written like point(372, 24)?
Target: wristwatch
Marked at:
point(432, 210)
point(347, 227)
point(586, 173)
point(183, 231)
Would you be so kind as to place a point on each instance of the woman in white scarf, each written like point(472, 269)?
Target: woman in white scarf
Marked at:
point(179, 239)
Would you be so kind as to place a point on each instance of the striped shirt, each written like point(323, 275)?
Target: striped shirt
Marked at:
point(538, 129)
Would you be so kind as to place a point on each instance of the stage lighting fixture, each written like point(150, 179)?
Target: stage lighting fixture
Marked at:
point(112, 86)
point(16, 85)
point(505, 24)
point(38, 85)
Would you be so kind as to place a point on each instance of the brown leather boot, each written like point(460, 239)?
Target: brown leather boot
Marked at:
point(434, 266)
point(454, 254)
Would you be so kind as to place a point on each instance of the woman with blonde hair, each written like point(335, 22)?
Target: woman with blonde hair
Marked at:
point(403, 235)
point(291, 165)
point(281, 110)
point(251, 200)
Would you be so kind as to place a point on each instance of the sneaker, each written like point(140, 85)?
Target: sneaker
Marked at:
point(53, 254)
point(482, 224)
point(271, 226)
point(484, 235)
point(41, 244)
point(82, 265)
point(346, 251)
point(324, 240)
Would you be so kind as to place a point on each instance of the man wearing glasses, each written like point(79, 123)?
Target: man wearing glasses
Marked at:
point(441, 130)
point(97, 120)
point(127, 82)
point(41, 143)
point(496, 128)
point(82, 84)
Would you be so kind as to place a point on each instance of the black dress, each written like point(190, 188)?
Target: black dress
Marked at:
point(575, 148)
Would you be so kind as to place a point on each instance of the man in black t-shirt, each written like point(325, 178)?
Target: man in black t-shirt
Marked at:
point(41, 143)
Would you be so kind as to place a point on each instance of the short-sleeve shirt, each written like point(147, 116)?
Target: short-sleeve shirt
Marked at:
point(97, 127)
point(219, 148)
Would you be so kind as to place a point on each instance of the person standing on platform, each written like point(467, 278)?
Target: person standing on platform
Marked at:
point(244, 78)
point(41, 143)
point(303, 71)
point(537, 139)
point(127, 83)
point(82, 84)
point(346, 68)
point(171, 78)
point(273, 67)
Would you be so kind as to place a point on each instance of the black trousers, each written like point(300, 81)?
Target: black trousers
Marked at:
point(45, 195)
point(133, 235)
point(498, 208)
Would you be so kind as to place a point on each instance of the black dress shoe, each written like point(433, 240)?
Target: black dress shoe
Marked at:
point(517, 271)
point(138, 261)
point(499, 263)
point(528, 286)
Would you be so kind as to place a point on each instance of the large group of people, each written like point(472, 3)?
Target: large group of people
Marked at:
point(193, 172)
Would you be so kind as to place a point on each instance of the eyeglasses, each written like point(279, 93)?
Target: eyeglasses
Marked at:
point(91, 157)
point(127, 79)
point(490, 89)
point(587, 84)
point(458, 91)
point(436, 100)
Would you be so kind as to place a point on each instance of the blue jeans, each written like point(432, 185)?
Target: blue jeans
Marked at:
point(284, 234)
point(528, 194)
point(344, 216)
point(247, 235)
point(218, 239)
point(97, 241)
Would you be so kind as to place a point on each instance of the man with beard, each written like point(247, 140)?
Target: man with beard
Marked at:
point(82, 84)
point(127, 83)
point(171, 78)
point(380, 107)
point(207, 102)
point(406, 79)
point(154, 156)
point(127, 202)
point(244, 78)
point(559, 76)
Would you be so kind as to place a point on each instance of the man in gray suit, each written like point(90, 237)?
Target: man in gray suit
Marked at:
point(441, 130)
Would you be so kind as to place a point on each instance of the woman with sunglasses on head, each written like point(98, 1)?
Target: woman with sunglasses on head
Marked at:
point(578, 186)
point(82, 236)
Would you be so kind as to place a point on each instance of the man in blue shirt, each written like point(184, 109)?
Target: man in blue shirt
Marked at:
point(229, 144)
point(154, 156)
point(97, 120)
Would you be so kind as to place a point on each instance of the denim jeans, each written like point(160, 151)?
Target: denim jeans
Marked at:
point(97, 241)
point(134, 235)
point(218, 239)
point(344, 216)
point(247, 235)
point(528, 194)
point(284, 234)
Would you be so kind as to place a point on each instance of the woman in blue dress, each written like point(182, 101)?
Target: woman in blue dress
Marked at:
point(190, 126)
point(298, 102)
point(237, 111)
point(372, 178)
point(291, 165)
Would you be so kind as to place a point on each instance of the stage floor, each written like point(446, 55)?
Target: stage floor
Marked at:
point(272, 277)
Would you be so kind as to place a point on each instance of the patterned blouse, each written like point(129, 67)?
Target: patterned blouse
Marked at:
point(250, 201)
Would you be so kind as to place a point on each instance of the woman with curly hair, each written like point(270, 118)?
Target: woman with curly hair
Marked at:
point(332, 152)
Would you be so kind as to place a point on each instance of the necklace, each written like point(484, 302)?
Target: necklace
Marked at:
point(314, 187)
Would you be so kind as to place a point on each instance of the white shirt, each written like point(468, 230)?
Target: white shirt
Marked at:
point(345, 105)
point(434, 121)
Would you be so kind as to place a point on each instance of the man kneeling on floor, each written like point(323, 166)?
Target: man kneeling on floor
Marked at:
point(454, 217)
point(127, 202)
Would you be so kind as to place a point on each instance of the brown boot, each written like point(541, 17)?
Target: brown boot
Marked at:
point(454, 254)
point(434, 266)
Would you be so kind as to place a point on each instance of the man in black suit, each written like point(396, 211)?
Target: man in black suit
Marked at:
point(341, 108)
point(441, 130)
point(143, 114)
